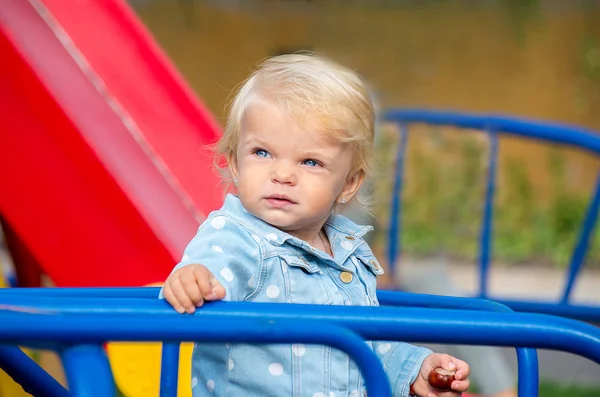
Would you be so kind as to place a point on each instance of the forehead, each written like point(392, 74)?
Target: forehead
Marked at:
point(265, 121)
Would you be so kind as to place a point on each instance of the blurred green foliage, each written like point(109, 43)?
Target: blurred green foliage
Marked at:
point(443, 197)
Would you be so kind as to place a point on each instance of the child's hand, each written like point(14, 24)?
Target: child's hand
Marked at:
point(188, 288)
point(422, 388)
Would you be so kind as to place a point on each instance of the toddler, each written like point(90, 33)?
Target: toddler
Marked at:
point(298, 144)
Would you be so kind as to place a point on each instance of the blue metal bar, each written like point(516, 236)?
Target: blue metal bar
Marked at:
point(580, 312)
point(527, 359)
point(241, 321)
point(150, 327)
point(549, 132)
point(27, 373)
point(100, 292)
point(394, 243)
point(488, 216)
point(169, 369)
point(575, 311)
point(88, 371)
point(580, 138)
point(583, 242)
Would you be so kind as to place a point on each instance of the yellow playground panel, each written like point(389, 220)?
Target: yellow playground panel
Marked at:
point(136, 368)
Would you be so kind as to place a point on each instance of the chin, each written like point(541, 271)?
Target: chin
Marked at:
point(283, 224)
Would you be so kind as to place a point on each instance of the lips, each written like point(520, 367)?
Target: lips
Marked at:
point(281, 197)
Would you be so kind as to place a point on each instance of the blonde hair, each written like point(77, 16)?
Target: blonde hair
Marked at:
point(312, 89)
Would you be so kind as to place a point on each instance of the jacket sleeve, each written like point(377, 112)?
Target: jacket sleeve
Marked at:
point(402, 362)
point(229, 252)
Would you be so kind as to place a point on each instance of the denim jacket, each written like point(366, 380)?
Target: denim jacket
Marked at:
point(257, 262)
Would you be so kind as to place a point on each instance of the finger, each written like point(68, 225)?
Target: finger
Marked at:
point(181, 295)
point(218, 291)
point(447, 362)
point(461, 385)
point(463, 370)
point(202, 280)
point(192, 291)
point(171, 299)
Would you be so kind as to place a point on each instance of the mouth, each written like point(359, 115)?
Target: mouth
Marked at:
point(280, 199)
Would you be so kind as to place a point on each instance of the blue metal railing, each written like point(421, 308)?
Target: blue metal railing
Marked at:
point(526, 358)
point(76, 322)
point(580, 138)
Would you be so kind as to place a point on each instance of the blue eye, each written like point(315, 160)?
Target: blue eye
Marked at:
point(261, 153)
point(311, 163)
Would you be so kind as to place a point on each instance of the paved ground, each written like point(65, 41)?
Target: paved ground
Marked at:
point(535, 283)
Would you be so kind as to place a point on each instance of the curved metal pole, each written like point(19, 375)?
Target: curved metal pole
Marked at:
point(29, 374)
point(550, 132)
point(527, 359)
point(79, 328)
point(95, 318)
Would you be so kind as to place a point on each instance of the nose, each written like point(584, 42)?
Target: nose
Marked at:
point(284, 173)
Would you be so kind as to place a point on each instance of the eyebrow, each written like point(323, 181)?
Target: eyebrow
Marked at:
point(254, 140)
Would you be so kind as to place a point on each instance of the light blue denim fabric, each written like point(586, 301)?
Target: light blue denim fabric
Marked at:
point(257, 262)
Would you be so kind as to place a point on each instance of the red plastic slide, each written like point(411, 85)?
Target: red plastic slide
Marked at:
point(104, 170)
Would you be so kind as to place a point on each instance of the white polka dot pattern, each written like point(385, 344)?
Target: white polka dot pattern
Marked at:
point(260, 263)
point(210, 385)
point(298, 349)
point(275, 369)
point(272, 291)
point(218, 222)
point(226, 274)
point(347, 245)
point(384, 348)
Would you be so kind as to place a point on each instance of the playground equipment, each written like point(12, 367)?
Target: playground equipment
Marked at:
point(101, 148)
point(495, 125)
point(102, 142)
point(76, 321)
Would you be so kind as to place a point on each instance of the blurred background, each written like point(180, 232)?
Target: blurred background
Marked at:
point(528, 58)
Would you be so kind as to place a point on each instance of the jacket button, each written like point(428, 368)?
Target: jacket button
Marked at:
point(346, 277)
point(349, 238)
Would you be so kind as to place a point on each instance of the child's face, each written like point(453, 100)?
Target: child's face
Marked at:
point(288, 176)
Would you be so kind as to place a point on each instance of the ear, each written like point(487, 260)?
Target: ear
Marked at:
point(353, 183)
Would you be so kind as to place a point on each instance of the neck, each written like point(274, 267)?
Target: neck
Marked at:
point(315, 237)
point(310, 236)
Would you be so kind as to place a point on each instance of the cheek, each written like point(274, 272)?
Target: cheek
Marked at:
point(325, 189)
